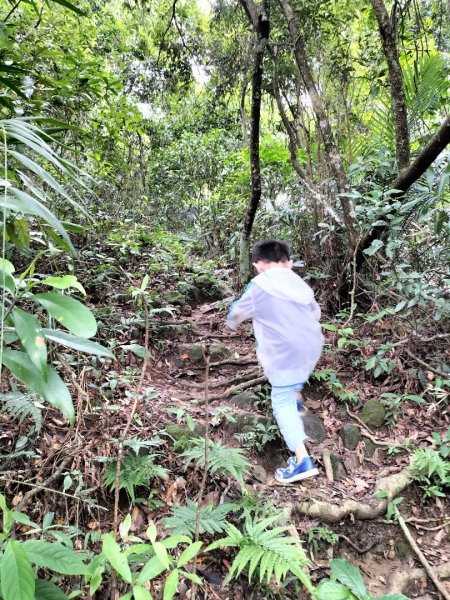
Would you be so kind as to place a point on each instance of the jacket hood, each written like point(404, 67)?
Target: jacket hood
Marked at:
point(285, 284)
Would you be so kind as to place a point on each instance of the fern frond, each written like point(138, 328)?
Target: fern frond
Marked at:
point(212, 518)
point(221, 459)
point(265, 550)
point(20, 406)
point(135, 471)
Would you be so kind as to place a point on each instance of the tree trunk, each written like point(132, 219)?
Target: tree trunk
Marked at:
point(323, 123)
point(389, 42)
point(262, 31)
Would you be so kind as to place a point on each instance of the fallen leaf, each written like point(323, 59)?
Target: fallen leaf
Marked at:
point(184, 356)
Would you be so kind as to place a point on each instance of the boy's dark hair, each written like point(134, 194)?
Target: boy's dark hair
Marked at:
point(270, 251)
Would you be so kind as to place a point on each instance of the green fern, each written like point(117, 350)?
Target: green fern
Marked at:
point(20, 406)
point(135, 471)
point(212, 518)
point(265, 550)
point(221, 459)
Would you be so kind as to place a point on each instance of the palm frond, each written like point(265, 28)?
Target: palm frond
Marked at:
point(426, 81)
point(212, 518)
point(20, 406)
point(221, 459)
point(266, 550)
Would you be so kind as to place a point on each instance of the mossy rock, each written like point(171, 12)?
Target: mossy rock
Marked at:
point(369, 447)
point(243, 400)
point(373, 413)
point(351, 435)
point(174, 298)
point(337, 466)
point(196, 354)
point(218, 352)
point(208, 286)
point(177, 431)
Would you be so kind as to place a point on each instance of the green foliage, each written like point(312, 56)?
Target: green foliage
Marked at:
point(212, 518)
point(432, 471)
point(393, 404)
point(20, 560)
point(264, 551)
point(259, 436)
point(319, 534)
point(221, 459)
point(350, 587)
point(137, 562)
point(135, 471)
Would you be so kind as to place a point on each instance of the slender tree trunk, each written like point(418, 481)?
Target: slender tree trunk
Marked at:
point(323, 123)
point(244, 117)
point(389, 42)
point(262, 31)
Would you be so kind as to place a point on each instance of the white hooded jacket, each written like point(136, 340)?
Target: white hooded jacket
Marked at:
point(285, 323)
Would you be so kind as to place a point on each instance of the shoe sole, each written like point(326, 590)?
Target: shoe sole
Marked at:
point(299, 477)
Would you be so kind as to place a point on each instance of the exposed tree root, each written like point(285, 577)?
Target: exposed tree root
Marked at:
point(393, 485)
point(401, 580)
point(229, 382)
point(235, 388)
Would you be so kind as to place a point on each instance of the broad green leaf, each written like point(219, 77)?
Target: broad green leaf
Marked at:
point(54, 390)
point(28, 330)
point(171, 585)
point(69, 312)
point(161, 553)
point(349, 575)
point(6, 266)
point(141, 593)
point(330, 590)
point(189, 553)
point(22, 518)
point(64, 283)
point(46, 590)
point(75, 342)
point(124, 527)
point(22, 202)
point(7, 282)
point(150, 570)
point(118, 561)
point(54, 556)
point(16, 574)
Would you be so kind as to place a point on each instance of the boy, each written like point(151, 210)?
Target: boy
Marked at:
point(288, 343)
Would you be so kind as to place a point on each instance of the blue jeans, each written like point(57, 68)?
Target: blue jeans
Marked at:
point(284, 406)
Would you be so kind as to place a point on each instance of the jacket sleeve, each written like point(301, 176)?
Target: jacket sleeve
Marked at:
point(242, 309)
point(315, 309)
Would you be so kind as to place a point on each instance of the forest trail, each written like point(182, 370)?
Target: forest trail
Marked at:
point(241, 416)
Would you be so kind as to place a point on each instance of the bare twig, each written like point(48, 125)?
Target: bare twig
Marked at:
point(30, 494)
point(426, 565)
point(205, 470)
point(426, 365)
point(359, 550)
point(327, 465)
point(124, 435)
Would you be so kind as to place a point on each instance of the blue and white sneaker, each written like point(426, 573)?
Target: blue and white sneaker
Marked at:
point(296, 472)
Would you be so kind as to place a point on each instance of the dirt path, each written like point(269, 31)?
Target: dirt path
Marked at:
point(377, 547)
